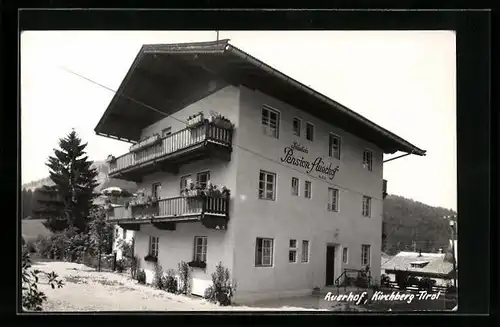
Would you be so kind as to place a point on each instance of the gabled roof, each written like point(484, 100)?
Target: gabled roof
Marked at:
point(436, 263)
point(164, 78)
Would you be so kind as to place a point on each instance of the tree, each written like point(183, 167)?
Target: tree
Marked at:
point(68, 202)
point(26, 197)
point(100, 232)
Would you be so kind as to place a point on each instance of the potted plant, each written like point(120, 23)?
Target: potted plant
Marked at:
point(195, 120)
point(223, 122)
point(111, 159)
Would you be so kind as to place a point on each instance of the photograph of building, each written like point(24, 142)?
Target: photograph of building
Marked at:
point(240, 164)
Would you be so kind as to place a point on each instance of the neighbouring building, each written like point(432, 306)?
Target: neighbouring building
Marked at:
point(304, 173)
point(432, 265)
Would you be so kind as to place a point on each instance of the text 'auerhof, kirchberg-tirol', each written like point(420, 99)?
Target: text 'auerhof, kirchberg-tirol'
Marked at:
point(362, 298)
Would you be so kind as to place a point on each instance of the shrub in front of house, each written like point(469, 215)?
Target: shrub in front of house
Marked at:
point(121, 265)
point(158, 279)
point(170, 281)
point(135, 265)
point(141, 276)
point(222, 289)
point(185, 277)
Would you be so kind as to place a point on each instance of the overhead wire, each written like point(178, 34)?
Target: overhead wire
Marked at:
point(233, 144)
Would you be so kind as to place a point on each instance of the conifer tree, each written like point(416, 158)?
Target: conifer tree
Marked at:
point(67, 203)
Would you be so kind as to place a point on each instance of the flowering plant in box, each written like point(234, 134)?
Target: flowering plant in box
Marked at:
point(195, 119)
point(197, 264)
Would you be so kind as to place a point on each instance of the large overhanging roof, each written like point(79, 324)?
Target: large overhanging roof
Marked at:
point(167, 77)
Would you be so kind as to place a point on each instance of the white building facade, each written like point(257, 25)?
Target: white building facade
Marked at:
point(305, 197)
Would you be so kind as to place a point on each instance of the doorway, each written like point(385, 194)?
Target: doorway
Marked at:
point(330, 265)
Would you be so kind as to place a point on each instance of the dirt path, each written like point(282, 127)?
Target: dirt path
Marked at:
point(88, 290)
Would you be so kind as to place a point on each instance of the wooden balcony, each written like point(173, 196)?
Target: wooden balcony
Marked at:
point(192, 143)
point(213, 212)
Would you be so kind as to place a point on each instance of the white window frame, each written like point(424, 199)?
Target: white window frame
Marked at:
point(331, 151)
point(366, 210)
point(260, 256)
point(333, 201)
point(308, 192)
point(366, 254)
point(296, 188)
point(345, 255)
point(304, 258)
point(313, 128)
point(292, 249)
point(262, 193)
point(295, 132)
point(368, 159)
point(166, 131)
point(153, 249)
point(200, 251)
point(267, 129)
point(202, 173)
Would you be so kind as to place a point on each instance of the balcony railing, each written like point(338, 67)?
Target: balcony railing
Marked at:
point(174, 143)
point(174, 208)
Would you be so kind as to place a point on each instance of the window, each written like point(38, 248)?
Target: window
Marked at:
point(305, 251)
point(270, 121)
point(307, 189)
point(334, 149)
point(184, 181)
point(153, 246)
point(365, 255)
point(367, 203)
point(200, 248)
point(292, 253)
point(295, 186)
point(345, 255)
point(156, 190)
point(166, 131)
point(367, 160)
point(309, 132)
point(419, 264)
point(267, 185)
point(296, 126)
point(264, 252)
point(202, 179)
point(333, 199)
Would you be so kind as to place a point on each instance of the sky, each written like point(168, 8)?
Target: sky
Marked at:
point(404, 81)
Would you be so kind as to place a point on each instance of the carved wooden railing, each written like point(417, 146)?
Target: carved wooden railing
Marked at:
point(170, 144)
point(174, 207)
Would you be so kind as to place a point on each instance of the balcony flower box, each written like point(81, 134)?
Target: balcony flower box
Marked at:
point(197, 264)
point(151, 258)
point(110, 159)
point(195, 120)
point(221, 121)
point(150, 141)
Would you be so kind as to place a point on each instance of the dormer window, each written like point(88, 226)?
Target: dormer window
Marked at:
point(419, 264)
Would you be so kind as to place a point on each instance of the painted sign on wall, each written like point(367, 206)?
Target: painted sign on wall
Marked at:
point(318, 165)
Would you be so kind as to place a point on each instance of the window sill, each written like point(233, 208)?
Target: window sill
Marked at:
point(260, 266)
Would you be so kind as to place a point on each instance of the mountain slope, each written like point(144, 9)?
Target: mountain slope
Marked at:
point(412, 225)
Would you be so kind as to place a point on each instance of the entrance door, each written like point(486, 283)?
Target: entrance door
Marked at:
point(330, 265)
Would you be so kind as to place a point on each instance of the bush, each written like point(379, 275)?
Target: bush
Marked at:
point(184, 277)
point(32, 298)
point(385, 280)
point(158, 280)
point(135, 265)
point(121, 265)
point(412, 281)
point(426, 284)
point(127, 248)
point(141, 276)
point(222, 289)
point(171, 281)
